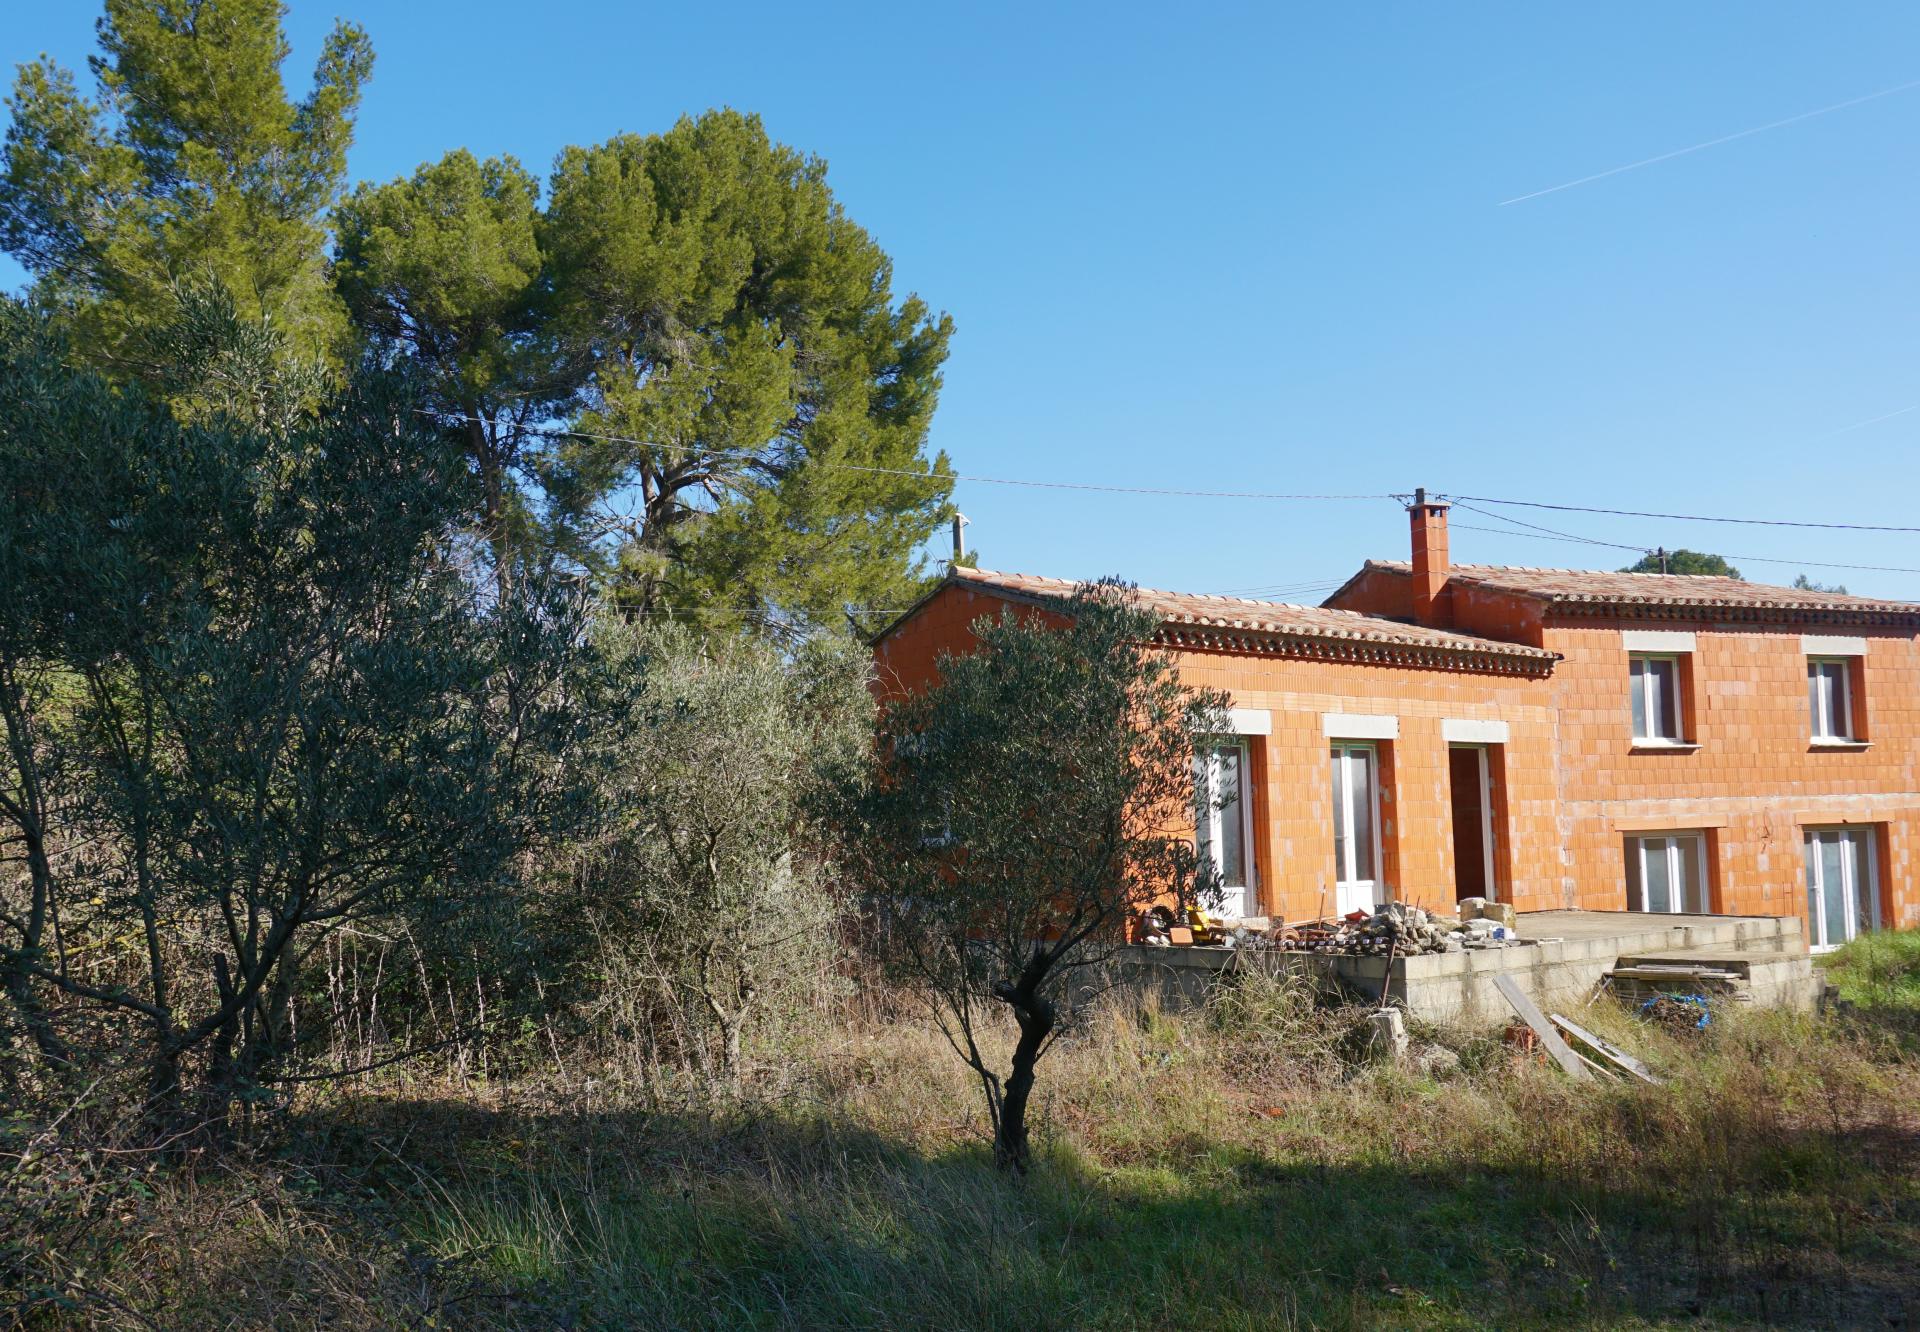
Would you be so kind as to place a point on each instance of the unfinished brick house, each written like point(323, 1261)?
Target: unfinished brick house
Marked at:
point(1549, 738)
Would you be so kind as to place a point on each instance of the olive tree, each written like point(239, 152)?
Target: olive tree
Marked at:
point(705, 882)
point(1026, 803)
point(249, 698)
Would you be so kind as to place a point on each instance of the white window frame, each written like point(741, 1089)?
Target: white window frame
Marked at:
point(1346, 885)
point(1677, 854)
point(1868, 834)
point(1640, 681)
point(1838, 723)
point(1209, 818)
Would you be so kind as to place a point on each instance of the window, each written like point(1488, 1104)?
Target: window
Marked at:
point(1843, 887)
point(1655, 697)
point(1223, 822)
point(1830, 697)
point(1667, 872)
point(1356, 826)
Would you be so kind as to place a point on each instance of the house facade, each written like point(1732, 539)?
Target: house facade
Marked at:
point(1549, 738)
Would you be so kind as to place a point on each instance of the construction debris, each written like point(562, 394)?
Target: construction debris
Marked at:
point(1638, 983)
point(1530, 1014)
point(1479, 908)
point(1387, 1034)
point(1395, 929)
point(1611, 1052)
point(1681, 1014)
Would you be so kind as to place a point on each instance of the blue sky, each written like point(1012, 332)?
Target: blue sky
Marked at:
point(1265, 249)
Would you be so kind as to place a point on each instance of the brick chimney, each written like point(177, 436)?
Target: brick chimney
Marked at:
point(1431, 604)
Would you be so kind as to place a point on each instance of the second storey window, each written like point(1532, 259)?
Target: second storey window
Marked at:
point(1830, 698)
point(1655, 695)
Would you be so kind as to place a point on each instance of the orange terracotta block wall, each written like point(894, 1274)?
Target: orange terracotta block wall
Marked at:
point(1755, 781)
point(1568, 785)
point(907, 657)
point(1293, 805)
point(1292, 798)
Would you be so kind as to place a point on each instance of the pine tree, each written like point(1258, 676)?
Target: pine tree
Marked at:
point(190, 163)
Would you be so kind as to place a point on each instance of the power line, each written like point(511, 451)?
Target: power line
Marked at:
point(746, 456)
point(1680, 517)
point(1546, 536)
point(1819, 564)
point(1551, 533)
point(1729, 555)
point(1282, 589)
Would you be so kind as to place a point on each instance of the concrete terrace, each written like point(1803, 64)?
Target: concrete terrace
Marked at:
point(1561, 962)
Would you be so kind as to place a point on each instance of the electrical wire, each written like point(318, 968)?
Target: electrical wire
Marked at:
point(1545, 535)
point(1468, 502)
point(736, 455)
point(1678, 517)
point(1550, 532)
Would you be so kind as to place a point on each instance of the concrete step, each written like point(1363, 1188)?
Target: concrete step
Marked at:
point(1770, 977)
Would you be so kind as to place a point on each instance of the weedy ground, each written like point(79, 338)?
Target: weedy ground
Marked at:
point(1246, 1166)
point(1879, 971)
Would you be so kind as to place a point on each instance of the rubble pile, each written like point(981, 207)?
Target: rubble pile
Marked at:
point(1397, 928)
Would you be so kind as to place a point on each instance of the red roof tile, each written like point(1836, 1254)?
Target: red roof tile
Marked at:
point(1627, 590)
point(1237, 614)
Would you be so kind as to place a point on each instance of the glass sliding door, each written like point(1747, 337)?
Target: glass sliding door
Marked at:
point(1843, 885)
point(1667, 873)
point(1356, 827)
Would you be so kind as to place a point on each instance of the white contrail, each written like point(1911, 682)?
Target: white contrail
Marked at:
point(1862, 425)
point(1713, 143)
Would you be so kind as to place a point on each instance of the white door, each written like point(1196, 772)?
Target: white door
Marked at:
point(1356, 828)
point(1843, 888)
point(1223, 823)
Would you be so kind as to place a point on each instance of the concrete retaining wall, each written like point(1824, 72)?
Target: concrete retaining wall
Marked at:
point(1563, 967)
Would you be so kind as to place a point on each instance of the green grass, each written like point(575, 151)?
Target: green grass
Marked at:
point(1231, 1170)
point(1774, 1180)
point(1878, 970)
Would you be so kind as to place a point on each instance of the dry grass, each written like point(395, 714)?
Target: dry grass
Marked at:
point(1242, 1167)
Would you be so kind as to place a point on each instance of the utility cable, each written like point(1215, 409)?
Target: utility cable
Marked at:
point(743, 456)
point(1679, 517)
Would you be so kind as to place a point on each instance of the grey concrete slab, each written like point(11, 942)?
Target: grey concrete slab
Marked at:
point(1568, 953)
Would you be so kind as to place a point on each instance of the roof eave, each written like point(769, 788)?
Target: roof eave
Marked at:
point(1675, 610)
point(1223, 637)
point(1359, 649)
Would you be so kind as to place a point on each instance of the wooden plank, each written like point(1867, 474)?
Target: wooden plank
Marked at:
point(1530, 1014)
point(1600, 1071)
point(1607, 1048)
point(1673, 972)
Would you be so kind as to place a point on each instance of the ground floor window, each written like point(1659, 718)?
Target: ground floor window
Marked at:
point(1667, 872)
point(1843, 885)
point(1223, 823)
point(1356, 826)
